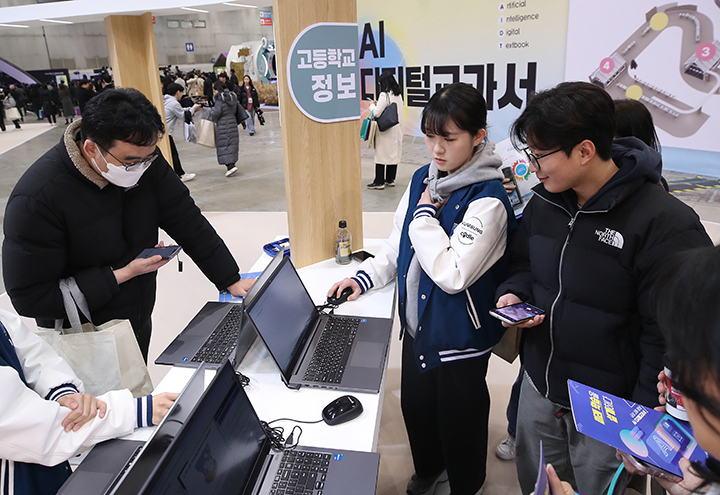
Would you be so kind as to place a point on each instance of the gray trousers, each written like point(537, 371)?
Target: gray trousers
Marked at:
point(585, 463)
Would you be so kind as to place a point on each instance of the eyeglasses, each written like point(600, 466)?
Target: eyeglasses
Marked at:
point(140, 163)
point(535, 159)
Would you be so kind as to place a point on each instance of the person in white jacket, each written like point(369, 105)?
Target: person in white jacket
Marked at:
point(45, 419)
point(388, 143)
point(174, 112)
point(447, 250)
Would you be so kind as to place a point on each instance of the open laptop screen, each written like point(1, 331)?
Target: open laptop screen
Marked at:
point(217, 448)
point(281, 313)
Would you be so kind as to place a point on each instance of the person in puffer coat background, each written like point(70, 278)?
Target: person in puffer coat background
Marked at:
point(227, 139)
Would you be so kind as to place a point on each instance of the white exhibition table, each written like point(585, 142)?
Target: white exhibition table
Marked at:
point(272, 399)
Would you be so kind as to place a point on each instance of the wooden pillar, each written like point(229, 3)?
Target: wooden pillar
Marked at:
point(133, 57)
point(322, 160)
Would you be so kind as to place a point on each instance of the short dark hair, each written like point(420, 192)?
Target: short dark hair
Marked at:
point(632, 118)
point(223, 74)
point(107, 78)
point(387, 83)
point(173, 88)
point(121, 114)
point(566, 115)
point(219, 85)
point(685, 296)
point(459, 102)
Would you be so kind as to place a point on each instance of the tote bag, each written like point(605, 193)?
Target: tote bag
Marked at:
point(206, 133)
point(372, 134)
point(106, 357)
point(365, 129)
point(389, 117)
point(12, 114)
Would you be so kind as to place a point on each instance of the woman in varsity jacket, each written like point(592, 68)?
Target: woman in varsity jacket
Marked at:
point(447, 249)
point(45, 419)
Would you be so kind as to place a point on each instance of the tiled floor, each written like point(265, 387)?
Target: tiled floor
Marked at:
point(248, 211)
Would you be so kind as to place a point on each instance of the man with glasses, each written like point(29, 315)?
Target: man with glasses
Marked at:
point(90, 205)
point(590, 244)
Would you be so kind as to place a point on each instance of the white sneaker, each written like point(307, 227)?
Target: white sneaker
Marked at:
point(506, 449)
point(230, 172)
point(187, 177)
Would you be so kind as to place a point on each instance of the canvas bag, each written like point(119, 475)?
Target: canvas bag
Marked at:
point(206, 133)
point(389, 117)
point(106, 357)
point(12, 114)
point(372, 133)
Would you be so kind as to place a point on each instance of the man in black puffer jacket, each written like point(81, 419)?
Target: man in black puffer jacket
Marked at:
point(590, 244)
point(90, 205)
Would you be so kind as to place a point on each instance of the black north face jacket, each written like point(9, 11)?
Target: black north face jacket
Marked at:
point(591, 269)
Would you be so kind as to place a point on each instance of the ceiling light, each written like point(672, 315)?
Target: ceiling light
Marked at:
point(55, 20)
point(240, 5)
point(13, 26)
point(195, 10)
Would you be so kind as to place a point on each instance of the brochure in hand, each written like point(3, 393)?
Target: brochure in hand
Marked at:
point(516, 167)
point(225, 296)
point(542, 486)
point(651, 436)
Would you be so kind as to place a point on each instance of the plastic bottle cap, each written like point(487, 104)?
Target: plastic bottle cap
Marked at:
point(343, 224)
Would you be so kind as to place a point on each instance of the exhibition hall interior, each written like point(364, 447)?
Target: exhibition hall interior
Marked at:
point(304, 161)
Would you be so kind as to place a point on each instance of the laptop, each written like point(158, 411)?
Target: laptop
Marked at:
point(117, 466)
point(222, 449)
point(311, 348)
point(213, 335)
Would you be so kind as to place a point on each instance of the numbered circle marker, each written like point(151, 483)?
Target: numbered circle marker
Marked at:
point(501, 8)
point(501, 19)
point(659, 21)
point(634, 92)
point(501, 45)
point(501, 33)
point(607, 65)
point(706, 51)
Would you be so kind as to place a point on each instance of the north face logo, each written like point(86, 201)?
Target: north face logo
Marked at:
point(610, 237)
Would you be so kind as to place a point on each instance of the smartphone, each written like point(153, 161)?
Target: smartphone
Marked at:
point(516, 313)
point(514, 196)
point(647, 468)
point(362, 255)
point(167, 252)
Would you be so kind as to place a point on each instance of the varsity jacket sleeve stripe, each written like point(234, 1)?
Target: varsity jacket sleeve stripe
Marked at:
point(454, 263)
point(380, 270)
point(46, 372)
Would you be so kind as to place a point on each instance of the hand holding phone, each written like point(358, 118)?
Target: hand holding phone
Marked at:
point(638, 466)
point(165, 252)
point(516, 314)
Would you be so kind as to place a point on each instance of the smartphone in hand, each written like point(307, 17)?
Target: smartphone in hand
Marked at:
point(166, 252)
point(515, 314)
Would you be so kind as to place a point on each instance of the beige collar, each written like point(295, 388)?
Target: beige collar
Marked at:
point(77, 157)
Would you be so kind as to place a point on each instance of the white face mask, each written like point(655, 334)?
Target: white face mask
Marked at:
point(120, 176)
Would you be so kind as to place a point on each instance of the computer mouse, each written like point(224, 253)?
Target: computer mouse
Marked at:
point(338, 300)
point(342, 410)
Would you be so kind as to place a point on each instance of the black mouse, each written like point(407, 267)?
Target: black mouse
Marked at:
point(342, 410)
point(338, 300)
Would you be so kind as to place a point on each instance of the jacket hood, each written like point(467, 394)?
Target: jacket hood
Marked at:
point(167, 98)
point(637, 163)
point(226, 96)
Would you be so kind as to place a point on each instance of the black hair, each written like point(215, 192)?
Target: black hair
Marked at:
point(219, 85)
point(107, 78)
point(566, 115)
point(173, 88)
point(459, 102)
point(686, 296)
point(249, 79)
point(632, 118)
point(121, 114)
point(387, 83)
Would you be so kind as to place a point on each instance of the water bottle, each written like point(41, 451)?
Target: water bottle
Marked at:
point(343, 244)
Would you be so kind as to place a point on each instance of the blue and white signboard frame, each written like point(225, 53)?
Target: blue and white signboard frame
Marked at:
point(189, 47)
point(322, 72)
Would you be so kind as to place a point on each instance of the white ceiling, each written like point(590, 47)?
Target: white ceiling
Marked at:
point(77, 11)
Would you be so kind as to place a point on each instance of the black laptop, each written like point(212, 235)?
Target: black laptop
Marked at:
point(311, 348)
point(215, 334)
point(122, 466)
point(222, 449)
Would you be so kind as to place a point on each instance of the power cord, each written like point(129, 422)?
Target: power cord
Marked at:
point(244, 380)
point(331, 307)
point(275, 433)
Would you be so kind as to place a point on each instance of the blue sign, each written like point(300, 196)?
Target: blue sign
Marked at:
point(212, 60)
point(189, 47)
point(266, 14)
point(322, 70)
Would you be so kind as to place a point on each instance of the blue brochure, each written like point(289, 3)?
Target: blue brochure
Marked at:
point(651, 436)
point(225, 296)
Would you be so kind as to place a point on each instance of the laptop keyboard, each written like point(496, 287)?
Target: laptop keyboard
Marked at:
point(222, 341)
point(333, 350)
point(301, 473)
